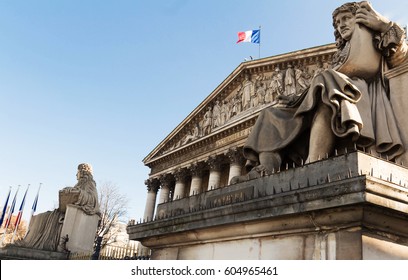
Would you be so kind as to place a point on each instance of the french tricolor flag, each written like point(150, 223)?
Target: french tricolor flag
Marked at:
point(251, 36)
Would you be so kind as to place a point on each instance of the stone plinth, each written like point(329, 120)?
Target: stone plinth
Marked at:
point(352, 206)
point(66, 198)
point(80, 228)
point(12, 252)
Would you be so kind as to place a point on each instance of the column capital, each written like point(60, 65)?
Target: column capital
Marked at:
point(196, 168)
point(180, 174)
point(235, 155)
point(166, 180)
point(214, 162)
point(153, 185)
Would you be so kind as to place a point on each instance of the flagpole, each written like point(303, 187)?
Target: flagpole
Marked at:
point(19, 215)
point(4, 210)
point(33, 208)
point(259, 47)
point(10, 215)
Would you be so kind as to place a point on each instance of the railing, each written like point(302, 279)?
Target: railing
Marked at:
point(110, 252)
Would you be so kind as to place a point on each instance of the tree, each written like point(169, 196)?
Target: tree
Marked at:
point(20, 233)
point(113, 206)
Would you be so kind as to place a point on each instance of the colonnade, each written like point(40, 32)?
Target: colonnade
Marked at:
point(174, 184)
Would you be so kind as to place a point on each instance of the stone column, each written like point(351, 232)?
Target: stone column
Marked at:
point(166, 182)
point(180, 188)
point(196, 178)
point(214, 162)
point(152, 188)
point(236, 160)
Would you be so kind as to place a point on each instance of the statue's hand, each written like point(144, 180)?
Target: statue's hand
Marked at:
point(371, 18)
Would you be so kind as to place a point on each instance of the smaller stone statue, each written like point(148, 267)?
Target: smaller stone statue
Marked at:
point(44, 232)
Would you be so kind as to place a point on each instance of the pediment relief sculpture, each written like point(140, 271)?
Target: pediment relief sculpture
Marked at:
point(254, 91)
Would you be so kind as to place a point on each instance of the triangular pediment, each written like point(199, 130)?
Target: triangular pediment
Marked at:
point(252, 86)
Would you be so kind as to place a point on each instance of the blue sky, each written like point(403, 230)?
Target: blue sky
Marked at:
point(104, 82)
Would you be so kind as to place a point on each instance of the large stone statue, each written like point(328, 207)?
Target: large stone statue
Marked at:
point(85, 190)
point(344, 106)
point(46, 230)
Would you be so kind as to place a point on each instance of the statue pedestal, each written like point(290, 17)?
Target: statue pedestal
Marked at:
point(352, 206)
point(80, 228)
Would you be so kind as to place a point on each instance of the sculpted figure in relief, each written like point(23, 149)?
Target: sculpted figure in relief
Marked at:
point(216, 114)
point(260, 91)
point(193, 135)
point(290, 81)
point(247, 91)
point(276, 85)
point(344, 106)
point(236, 105)
point(301, 80)
point(207, 121)
point(224, 112)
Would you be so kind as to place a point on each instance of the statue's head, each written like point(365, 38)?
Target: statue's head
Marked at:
point(84, 171)
point(346, 15)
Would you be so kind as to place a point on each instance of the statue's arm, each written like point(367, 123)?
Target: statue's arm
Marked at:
point(389, 37)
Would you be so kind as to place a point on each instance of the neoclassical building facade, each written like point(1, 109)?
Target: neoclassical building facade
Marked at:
point(351, 205)
point(205, 151)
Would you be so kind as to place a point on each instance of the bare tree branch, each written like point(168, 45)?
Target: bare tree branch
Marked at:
point(113, 206)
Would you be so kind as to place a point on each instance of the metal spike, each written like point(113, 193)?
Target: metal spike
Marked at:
point(328, 178)
point(287, 166)
point(345, 150)
point(335, 152)
point(301, 162)
point(355, 146)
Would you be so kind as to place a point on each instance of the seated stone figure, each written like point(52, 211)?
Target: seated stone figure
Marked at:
point(44, 231)
point(346, 105)
point(86, 189)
